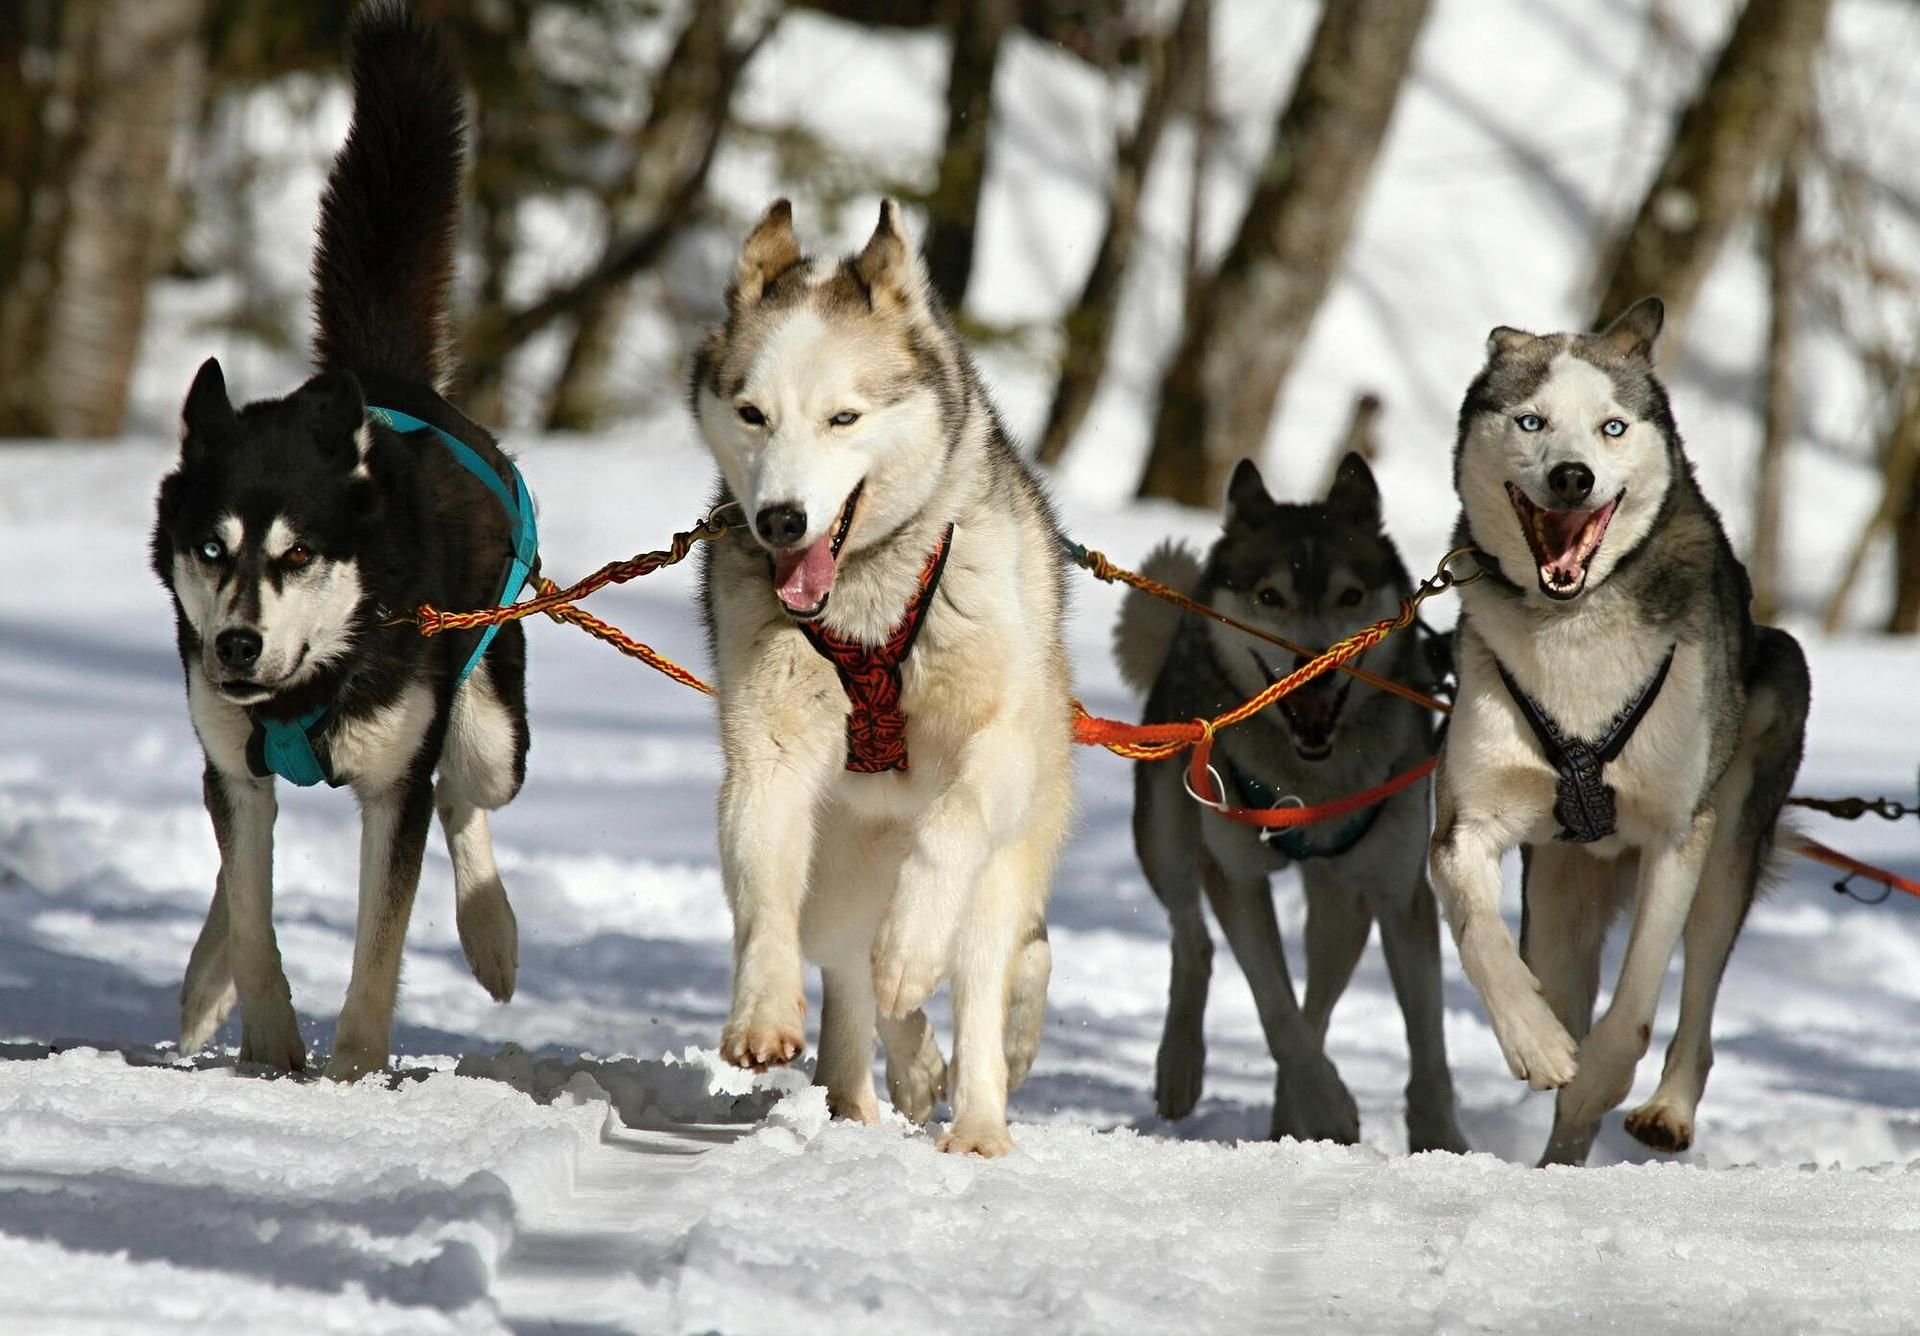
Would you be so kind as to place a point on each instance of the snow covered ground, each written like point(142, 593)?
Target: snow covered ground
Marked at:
point(566, 1163)
point(698, 1199)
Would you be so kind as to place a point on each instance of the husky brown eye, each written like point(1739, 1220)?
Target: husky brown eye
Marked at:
point(752, 416)
point(1351, 598)
point(296, 556)
point(846, 417)
point(1270, 598)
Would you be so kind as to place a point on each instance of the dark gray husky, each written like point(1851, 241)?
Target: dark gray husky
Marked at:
point(1312, 574)
point(292, 532)
point(1620, 718)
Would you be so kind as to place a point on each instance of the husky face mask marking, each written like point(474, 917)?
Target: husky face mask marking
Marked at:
point(263, 568)
point(823, 400)
point(1310, 574)
point(1565, 452)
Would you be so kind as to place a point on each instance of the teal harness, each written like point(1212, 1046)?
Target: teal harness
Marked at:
point(1293, 841)
point(296, 749)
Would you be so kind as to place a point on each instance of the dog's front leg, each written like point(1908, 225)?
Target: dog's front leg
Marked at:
point(1465, 864)
point(243, 811)
point(952, 841)
point(1669, 877)
point(393, 838)
point(766, 845)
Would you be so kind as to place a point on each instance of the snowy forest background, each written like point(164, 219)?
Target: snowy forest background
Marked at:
point(1182, 230)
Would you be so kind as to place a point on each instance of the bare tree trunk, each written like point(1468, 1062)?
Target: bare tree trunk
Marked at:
point(496, 332)
point(1219, 393)
point(976, 28)
point(1089, 326)
point(124, 79)
point(1783, 287)
point(667, 149)
point(1903, 491)
point(1900, 476)
point(1205, 126)
point(1739, 125)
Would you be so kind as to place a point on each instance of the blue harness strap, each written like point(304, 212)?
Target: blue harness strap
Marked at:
point(295, 749)
point(517, 504)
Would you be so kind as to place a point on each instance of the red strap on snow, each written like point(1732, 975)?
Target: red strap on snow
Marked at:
point(1820, 853)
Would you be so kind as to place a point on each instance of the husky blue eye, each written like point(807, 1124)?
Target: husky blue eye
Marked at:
point(1614, 427)
point(212, 550)
point(846, 417)
point(1531, 421)
point(752, 416)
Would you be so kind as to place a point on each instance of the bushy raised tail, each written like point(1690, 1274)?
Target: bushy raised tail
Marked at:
point(384, 262)
point(1144, 634)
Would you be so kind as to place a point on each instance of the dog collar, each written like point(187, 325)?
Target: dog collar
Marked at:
point(870, 674)
point(1293, 842)
point(296, 749)
point(1583, 803)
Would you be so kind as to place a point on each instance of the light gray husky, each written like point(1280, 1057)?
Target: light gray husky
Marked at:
point(1620, 717)
point(895, 711)
point(1312, 574)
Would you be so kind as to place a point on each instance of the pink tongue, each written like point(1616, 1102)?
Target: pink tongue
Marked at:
point(1561, 537)
point(802, 579)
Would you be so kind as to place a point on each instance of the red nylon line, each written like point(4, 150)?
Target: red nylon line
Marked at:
point(1820, 853)
point(1285, 818)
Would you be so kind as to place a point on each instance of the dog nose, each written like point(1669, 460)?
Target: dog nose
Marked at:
point(238, 649)
point(1572, 483)
point(781, 526)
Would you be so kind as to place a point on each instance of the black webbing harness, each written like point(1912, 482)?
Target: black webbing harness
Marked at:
point(1584, 803)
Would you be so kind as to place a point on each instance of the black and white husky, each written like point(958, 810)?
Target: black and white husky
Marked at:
point(1315, 574)
point(1620, 717)
point(293, 532)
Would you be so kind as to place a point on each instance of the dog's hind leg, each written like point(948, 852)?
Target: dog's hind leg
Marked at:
point(845, 1065)
point(393, 838)
point(1310, 1101)
point(243, 812)
point(916, 1072)
point(1568, 901)
point(480, 768)
point(1027, 1002)
point(207, 993)
point(1166, 835)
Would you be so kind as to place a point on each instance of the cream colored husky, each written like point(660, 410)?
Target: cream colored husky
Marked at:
point(893, 687)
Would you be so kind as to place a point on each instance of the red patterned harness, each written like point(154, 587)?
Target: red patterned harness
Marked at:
point(870, 675)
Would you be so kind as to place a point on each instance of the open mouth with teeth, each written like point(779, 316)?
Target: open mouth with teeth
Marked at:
point(1312, 710)
point(803, 577)
point(1563, 541)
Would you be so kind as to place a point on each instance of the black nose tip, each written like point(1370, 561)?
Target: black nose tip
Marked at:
point(238, 649)
point(1572, 483)
point(782, 526)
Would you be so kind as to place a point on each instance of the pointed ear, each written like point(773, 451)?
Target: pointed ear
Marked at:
point(1354, 492)
point(207, 418)
point(1507, 339)
point(889, 266)
point(1246, 493)
point(1637, 329)
point(770, 251)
